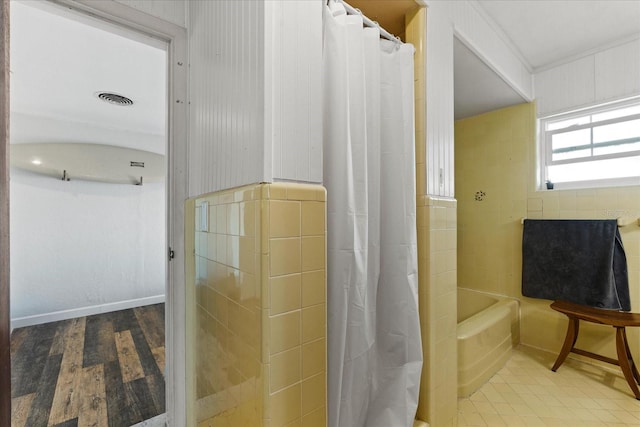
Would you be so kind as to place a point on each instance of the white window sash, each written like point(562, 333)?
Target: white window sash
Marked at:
point(546, 151)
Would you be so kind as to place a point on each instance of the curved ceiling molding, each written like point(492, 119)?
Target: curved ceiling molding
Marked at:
point(90, 162)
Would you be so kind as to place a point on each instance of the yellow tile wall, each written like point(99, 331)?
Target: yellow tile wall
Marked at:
point(294, 304)
point(492, 157)
point(438, 311)
point(594, 203)
point(190, 301)
point(495, 153)
point(260, 296)
point(229, 372)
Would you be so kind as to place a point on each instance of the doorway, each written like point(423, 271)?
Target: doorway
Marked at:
point(88, 146)
point(176, 185)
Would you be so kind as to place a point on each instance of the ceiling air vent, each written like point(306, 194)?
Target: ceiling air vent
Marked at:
point(114, 98)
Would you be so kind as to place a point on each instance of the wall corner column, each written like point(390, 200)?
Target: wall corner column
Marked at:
point(437, 256)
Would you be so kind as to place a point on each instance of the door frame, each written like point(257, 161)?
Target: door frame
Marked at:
point(177, 194)
point(5, 322)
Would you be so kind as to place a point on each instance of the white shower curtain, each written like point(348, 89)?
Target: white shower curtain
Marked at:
point(374, 347)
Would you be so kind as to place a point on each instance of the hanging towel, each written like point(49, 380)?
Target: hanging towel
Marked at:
point(580, 261)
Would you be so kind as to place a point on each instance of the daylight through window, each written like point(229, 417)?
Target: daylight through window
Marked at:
point(595, 147)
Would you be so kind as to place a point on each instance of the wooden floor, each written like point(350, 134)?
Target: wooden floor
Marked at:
point(101, 370)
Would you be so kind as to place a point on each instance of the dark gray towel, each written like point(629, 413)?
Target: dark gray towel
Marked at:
point(580, 261)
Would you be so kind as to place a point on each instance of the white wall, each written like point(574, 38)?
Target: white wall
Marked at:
point(598, 77)
point(293, 89)
point(169, 10)
point(439, 100)
point(255, 100)
point(466, 20)
point(476, 29)
point(79, 244)
point(255, 86)
point(226, 77)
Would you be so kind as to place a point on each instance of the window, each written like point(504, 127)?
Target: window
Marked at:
point(596, 147)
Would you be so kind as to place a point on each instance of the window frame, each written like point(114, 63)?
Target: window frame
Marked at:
point(545, 152)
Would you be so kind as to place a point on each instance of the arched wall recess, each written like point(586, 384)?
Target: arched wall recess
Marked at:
point(90, 162)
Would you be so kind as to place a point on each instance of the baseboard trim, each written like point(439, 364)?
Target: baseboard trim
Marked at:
point(20, 322)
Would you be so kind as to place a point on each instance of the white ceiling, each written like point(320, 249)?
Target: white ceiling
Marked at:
point(59, 60)
point(477, 88)
point(548, 31)
point(542, 33)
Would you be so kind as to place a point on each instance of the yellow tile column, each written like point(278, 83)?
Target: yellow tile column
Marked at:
point(294, 304)
point(437, 288)
point(225, 279)
point(437, 281)
point(259, 284)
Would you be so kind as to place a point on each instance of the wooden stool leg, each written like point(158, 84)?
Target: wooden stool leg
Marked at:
point(634, 370)
point(625, 363)
point(569, 342)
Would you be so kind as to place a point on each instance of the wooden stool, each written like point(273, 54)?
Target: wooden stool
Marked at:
point(617, 319)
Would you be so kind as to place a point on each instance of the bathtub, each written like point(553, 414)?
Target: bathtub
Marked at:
point(488, 328)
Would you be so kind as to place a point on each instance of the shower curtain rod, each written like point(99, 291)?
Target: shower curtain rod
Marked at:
point(368, 22)
point(622, 221)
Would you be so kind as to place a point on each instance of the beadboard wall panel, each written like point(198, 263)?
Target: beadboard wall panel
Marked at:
point(467, 21)
point(169, 10)
point(617, 72)
point(226, 51)
point(610, 74)
point(475, 28)
point(566, 85)
point(439, 96)
point(293, 97)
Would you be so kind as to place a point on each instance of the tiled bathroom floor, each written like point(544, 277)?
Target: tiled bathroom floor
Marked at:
point(527, 393)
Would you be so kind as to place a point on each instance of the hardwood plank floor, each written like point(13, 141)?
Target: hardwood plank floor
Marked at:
point(93, 405)
point(127, 355)
point(101, 370)
point(20, 409)
point(67, 393)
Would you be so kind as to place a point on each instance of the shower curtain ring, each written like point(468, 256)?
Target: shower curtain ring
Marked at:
point(336, 7)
